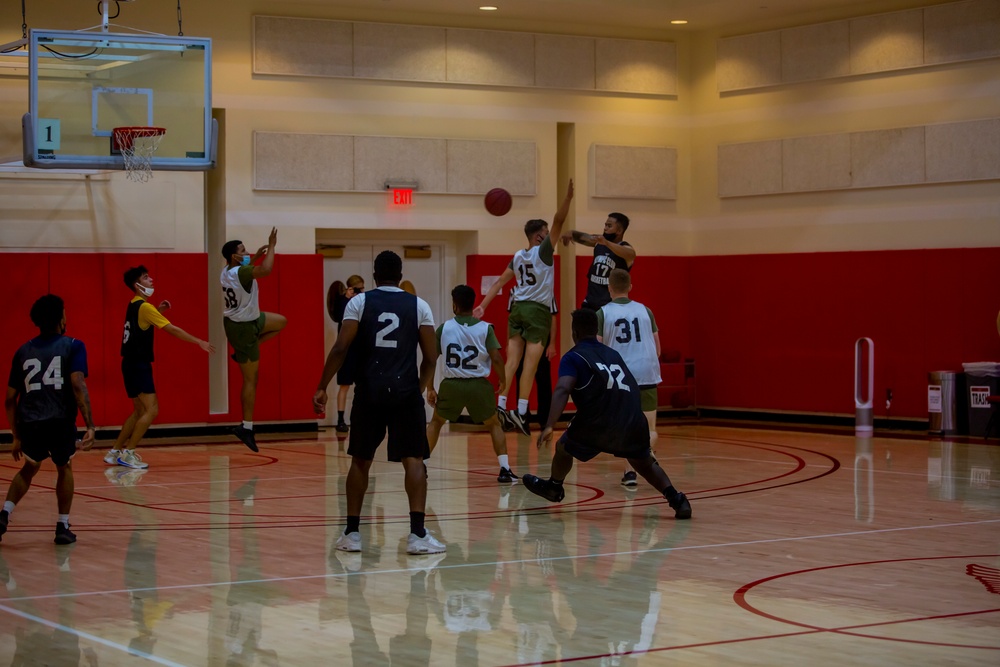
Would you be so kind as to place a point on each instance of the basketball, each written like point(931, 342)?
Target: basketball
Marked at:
point(498, 201)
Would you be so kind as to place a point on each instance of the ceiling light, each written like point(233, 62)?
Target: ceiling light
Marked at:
point(488, 8)
point(678, 22)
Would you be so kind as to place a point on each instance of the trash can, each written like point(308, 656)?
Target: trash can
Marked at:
point(982, 380)
point(941, 402)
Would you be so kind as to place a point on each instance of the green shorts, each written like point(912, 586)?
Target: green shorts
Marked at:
point(530, 320)
point(473, 394)
point(245, 338)
point(648, 398)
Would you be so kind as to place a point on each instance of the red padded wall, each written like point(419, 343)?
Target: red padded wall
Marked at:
point(96, 299)
point(300, 345)
point(777, 332)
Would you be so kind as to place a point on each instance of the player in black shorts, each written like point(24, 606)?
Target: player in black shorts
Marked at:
point(46, 386)
point(608, 418)
point(383, 327)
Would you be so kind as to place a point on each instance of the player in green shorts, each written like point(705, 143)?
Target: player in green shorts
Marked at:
point(246, 326)
point(529, 324)
point(470, 349)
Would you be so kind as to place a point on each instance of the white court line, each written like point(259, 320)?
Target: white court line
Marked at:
point(610, 554)
point(89, 637)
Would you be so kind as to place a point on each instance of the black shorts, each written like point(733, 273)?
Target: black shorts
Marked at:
point(51, 437)
point(405, 420)
point(584, 449)
point(348, 371)
point(138, 376)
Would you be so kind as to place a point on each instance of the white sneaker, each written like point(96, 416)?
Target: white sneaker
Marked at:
point(349, 542)
point(111, 458)
point(423, 545)
point(131, 459)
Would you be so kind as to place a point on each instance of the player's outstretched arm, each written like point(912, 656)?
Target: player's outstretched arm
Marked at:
point(560, 217)
point(576, 236)
point(334, 361)
point(560, 396)
point(265, 267)
point(79, 383)
point(478, 311)
point(177, 332)
point(429, 352)
point(626, 252)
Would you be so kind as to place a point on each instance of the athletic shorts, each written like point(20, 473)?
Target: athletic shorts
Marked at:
point(348, 373)
point(403, 418)
point(138, 376)
point(473, 394)
point(584, 449)
point(244, 337)
point(530, 320)
point(50, 437)
point(648, 398)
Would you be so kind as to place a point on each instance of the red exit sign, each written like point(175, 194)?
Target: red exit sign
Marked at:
point(402, 197)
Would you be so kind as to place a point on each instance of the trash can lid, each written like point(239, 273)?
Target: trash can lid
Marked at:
point(982, 368)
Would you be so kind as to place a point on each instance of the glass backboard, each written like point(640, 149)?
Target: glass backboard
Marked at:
point(85, 84)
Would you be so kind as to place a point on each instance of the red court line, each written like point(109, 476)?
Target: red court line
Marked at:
point(739, 597)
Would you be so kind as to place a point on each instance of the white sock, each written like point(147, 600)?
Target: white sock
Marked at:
point(64, 519)
point(502, 402)
point(502, 458)
point(522, 406)
point(8, 507)
point(248, 425)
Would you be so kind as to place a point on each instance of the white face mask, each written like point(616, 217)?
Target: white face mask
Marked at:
point(145, 291)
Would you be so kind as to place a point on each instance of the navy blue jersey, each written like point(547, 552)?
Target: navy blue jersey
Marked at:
point(386, 345)
point(41, 373)
point(137, 345)
point(606, 395)
point(604, 263)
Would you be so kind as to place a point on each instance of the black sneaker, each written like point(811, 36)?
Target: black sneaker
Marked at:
point(246, 437)
point(630, 480)
point(505, 421)
point(544, 488)
point(520, 422)
point(680, 506)
point(506, 476)
point(4, 520)
point(342, 427)
point(63, 534)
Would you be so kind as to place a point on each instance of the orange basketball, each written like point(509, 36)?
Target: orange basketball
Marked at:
point(498, 201)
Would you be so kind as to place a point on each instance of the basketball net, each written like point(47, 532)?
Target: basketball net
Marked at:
point(137, 146)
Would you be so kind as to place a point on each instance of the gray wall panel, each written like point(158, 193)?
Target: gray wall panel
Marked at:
point(630, 66)
point(752, 168)
point(411, 53)
point(303, 47)
point(286, 161)
point(476, 167)
point(378, 159)
point(634, 172)
point(491, 57)
point(565, 62)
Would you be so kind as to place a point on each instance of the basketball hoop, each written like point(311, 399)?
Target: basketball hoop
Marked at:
point(136, 146)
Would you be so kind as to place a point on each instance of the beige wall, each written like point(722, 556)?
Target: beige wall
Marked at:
point(694, 123)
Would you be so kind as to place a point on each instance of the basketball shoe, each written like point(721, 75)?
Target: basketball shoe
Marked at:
point(427, 544)
point(506, 476)
point(63, 534)
point(349, 542)
point(131, 459)
point(520, 421)
point(544, 488)
point(247, 437)
point(630, 480)
point(111, 458)
point(680, 506)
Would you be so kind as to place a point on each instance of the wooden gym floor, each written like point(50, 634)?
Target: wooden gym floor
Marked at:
point(804, 548)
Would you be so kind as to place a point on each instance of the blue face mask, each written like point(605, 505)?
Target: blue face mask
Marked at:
point(246, 260)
